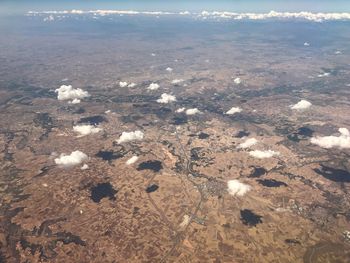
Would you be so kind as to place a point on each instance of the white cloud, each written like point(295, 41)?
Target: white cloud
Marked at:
point(184, 13)
point(86, 129)
point(169, 69)
point(153, 86)
point(49, 18)
point(132, 160)
point(325, 74)
point(166, 98)
point(126, 12)
point(342, 141)
point(84, 167)
point(338, 52)
point(130, 136)
point(153, 55)
point(180, 110)
point(192, 111)
point(344, 132)
point(233, 110)
point(248, 143)
point(74, 158)
point(237, 81)
point(79, 12)
point(66, 92)
point(235, 187)
point(177, 81)
point(205, 13)
point(316, 17)
point(306, 44)
point(75, 101)
point(123, 84)
point(301, 105)
point(263, 154)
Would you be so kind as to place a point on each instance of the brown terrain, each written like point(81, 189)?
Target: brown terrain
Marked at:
point(173, 204)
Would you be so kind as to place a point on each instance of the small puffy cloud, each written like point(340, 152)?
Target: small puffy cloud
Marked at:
point(77, 11)
point(184, 13)
point(153, 86)
point(86, 129)
point(235, 187)
point(166, 98)
point(132, 160)
point(169, 69)
point(176, 81)
point(130, 136)
point(153, 55)
point(205, 13)
point(123, 84)
point(49, 18)
point(342, 141)
point(325, 74)
point(180, 110)
point(301, 105)
point(248, 143)
point(338, 52)
point(237, 81)
point(75, 101)
point(192, 111)
point(263, 154)
point(75, 158)
point(66, 92)
point(344, 132)
point(84, 167)
point(306, 44)
point(233, 110)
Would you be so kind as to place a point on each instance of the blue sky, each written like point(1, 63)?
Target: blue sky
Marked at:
point(15, 6)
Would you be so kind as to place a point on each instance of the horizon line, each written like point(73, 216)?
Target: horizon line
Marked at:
point(306, 15)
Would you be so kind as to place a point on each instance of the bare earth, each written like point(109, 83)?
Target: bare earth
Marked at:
point(298, 206)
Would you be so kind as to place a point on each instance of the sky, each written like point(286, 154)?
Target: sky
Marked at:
point(22, 6)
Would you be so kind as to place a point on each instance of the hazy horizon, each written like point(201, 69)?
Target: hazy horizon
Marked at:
point(22, 6)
